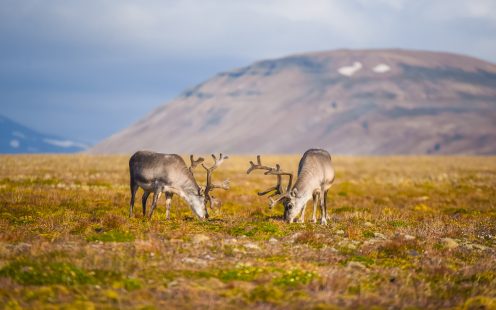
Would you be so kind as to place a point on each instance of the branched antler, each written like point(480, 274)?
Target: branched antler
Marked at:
point(209, 187)
point(195, 163)
point(278, 190)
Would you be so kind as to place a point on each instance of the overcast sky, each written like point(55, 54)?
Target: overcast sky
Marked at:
point(86, 69)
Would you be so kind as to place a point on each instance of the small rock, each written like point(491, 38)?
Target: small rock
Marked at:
point(273, 240)
point(469, 246)
point(200, 238)
point(356, 265)
point(409, 237)
point(449, 243)
point(251, 246)
point(21, 247)
point(351, 246)
point(413, 253)
point(194, 261)
point(379, 236)
point(340, 232)
point(295, 236)
point(230, 241)
point(479, 246)
point(368, 224)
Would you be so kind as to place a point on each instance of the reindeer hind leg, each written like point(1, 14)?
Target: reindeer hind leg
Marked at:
point(134, 189)
point(143, 201)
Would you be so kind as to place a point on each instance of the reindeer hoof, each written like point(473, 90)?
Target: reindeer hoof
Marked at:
point(323, 222)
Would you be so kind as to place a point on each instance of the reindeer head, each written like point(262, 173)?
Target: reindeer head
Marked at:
point(287, 197)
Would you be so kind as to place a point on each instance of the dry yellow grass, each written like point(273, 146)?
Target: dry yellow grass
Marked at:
point(404, 232)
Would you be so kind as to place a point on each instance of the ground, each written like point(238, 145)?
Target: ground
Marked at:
point(404, 232)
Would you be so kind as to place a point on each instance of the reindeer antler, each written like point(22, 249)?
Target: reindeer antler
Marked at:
point(210, 186)
point(278, 187)
point(195, 163)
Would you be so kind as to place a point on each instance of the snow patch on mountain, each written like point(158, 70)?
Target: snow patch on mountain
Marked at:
point(64, 143)
point(15, 143)
point(381, 68)
point(350, 70)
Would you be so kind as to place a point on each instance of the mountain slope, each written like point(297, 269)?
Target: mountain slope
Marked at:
point(16, 138)
point(346, 101)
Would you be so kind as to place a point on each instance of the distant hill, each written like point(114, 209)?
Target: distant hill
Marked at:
point(16, 138)
point(346, 101)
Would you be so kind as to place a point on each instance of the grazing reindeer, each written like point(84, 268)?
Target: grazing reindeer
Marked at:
point(315, 177)
point(167, 173)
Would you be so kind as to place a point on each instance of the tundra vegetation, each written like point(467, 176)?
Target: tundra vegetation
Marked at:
point(402, 232)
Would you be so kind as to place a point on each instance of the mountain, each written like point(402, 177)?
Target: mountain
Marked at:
point(346, 101)
point(16, 138)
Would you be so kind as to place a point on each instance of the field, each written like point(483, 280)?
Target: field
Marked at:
point(404, 232)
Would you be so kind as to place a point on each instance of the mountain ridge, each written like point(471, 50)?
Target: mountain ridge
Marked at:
point(16, 138)
point(347, 101)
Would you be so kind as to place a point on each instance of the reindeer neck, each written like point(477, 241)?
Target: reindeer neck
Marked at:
point(305, 183)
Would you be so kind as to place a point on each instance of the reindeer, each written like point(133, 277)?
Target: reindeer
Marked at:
point(315, 177)
point(167, 173)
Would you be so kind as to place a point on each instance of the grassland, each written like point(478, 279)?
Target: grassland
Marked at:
point(404, 232)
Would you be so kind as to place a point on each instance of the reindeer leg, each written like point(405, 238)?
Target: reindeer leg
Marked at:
point(156, 196)
point(325, 203)
point(302, 216)
point(315, 198)
point(143, 201)
point(134, 188)
point(168, 199)
point(323, 219)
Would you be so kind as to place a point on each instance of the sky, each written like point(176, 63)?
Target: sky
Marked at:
point(87, 69)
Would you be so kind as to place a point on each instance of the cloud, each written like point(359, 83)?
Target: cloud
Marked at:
point(59, 55)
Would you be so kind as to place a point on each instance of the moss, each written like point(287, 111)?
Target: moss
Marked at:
point(38, 273)
point(479, 302)
point(367, 261)
point(398, 223)
point(294, 277)
point(258, 230)
point(368, 234)
point(240, 273)
point(343, 209)
point(267, 293)
point(112, 236)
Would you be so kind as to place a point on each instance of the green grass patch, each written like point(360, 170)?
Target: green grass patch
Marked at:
point(294, 277)
point(112, 236)
point(258, 230)
point(241, 273)
point(44, 273)
point(397, 223)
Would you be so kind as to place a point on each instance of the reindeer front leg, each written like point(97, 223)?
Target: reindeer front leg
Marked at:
point(168, 199)
point(323, 219)
point(302, 216)
point(315, 198)
point(156, 196)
